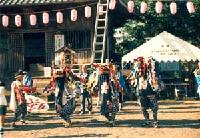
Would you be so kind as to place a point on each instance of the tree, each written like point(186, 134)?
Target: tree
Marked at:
point(141, 26)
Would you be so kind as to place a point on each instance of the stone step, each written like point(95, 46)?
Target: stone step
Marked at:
point(40, 77)
point(37, 67)
point(41, 84)
point(37, 73)
point(41, 81)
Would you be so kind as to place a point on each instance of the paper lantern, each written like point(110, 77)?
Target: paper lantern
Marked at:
point(18, 20)
point(88, 11)
point(130, 6)
point(173, 8)
point(112, 4)
point(73, 14)
point(5, 21)
point(45, 17)
point(59, 17)
point(143, 7)
point(33, 19)
point(100, 10)
point(190, 7)
point(159, 7)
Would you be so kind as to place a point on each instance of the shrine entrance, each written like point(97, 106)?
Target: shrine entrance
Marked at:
point(34, 50)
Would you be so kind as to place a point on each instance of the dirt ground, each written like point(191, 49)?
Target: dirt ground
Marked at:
point(178, 119)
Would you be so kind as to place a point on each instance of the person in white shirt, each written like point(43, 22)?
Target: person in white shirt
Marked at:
point(17, 99)
point(3, 106)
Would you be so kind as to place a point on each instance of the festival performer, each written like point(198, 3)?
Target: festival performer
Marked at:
point(108, 94)
point(92, 82)
point(17, 100)
point(64, 96)
point(133, 77)
point(116, 84)
point(147, 92)
point(96, 69)
point(122, 85)
point(85, 94)
point(3, 107)
point(197, 76)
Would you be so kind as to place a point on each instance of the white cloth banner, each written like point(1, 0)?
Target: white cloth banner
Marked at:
point(36, 104)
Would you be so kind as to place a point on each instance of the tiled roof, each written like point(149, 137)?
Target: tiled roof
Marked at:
point(36, 2)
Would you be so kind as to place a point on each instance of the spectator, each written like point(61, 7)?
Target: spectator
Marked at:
point(197, 76)
point(3, 106)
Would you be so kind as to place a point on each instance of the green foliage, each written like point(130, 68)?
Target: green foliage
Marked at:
point(182, 24)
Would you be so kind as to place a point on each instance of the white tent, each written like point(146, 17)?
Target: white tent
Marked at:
point(165, 47)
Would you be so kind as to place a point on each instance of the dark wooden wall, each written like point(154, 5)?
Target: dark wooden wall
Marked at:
point(11, 52)
point(16, 52)
point(3, 51)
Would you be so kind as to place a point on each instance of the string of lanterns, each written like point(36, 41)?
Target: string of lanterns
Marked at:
point(88, 12)
point(159, 7)
point(45, 16)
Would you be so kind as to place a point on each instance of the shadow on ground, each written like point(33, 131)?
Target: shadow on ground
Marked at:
point(162, 123)
point(84, 135)
point(38, 124)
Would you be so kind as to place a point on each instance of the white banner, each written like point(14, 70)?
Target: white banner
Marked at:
point(59, 41)
point(36, 104)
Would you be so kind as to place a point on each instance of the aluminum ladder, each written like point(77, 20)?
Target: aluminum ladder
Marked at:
point(100, 34)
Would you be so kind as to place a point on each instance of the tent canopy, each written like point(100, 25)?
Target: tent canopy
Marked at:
point(165, 47)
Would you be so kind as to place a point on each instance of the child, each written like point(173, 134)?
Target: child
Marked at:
point(3, 106)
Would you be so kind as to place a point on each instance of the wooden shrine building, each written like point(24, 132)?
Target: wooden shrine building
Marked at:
point(26, 45)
